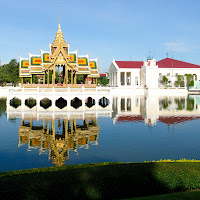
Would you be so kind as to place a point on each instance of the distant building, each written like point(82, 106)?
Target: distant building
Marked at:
point(103, 75)
point(149, 74)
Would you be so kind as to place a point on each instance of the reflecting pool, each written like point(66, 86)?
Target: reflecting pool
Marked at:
point(118, 128)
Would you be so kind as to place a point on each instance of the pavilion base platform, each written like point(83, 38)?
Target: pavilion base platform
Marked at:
point(59, 85)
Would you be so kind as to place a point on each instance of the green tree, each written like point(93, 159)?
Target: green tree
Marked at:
point(4, 78)
point(50, 77)
point(57, 77)
point(80, 79)
point(190, 104)
point(13, 71)
point(104, 81)
point(190, 81)
point(180, 78)
point(9, 73)
point(165, 80)
point(35, 79)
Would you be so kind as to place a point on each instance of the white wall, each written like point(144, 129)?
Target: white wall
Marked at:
point(134, 73)
point(180, 71)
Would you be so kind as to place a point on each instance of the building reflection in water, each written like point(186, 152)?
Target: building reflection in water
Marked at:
point(58, 137)
point(151, 109)
point(58, 133)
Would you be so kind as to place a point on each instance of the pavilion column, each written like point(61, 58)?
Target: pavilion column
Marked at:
point(43, 125)
point(48, 77)
point(31, 123)
point(72, 126)
point(22, 122)
point(66, 128)
point(66, 77)
point(22, 81)
point(96, 81)
point(44, 79)
point(53, 128)
point(47, 126)
point(95, 121)
point(74, 78)
point(53, 76)
point(87, 79)
point(31, 80)
point(71, 77)
point(75, 125)
point(87, 122)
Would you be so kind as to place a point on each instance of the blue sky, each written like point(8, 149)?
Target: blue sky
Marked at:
point(120, 29)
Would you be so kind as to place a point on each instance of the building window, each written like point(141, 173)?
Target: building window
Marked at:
point(136, 103)
point(128, 104)
point(160, 74)
point(122, 104)
point(122, 78)
point(176, 74)
point(128, 78)
point(168, 74)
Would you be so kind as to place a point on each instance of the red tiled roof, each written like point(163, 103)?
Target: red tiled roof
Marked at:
point(103, 74)
point(167, 63)
point(40, 76)
point(135, 118)
point(129, 64)
point(176, 119)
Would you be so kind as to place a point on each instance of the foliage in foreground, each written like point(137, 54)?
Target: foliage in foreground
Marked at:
point(101, 180)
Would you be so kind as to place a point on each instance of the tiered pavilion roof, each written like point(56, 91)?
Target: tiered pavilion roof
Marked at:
point(59, 55)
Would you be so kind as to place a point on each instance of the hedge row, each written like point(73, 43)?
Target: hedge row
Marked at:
point(100, 180)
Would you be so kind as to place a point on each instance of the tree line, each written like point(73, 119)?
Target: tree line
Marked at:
point(9, 73)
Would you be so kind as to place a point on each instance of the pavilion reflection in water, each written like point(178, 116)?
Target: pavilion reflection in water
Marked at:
point(57, 137)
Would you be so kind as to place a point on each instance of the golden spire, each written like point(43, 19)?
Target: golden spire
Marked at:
point(59, 27)
point(59, 39)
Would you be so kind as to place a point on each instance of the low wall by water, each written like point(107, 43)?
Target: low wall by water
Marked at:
point(59, 85)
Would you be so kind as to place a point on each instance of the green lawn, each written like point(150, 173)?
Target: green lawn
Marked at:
point(100, 181)
point(191, 195)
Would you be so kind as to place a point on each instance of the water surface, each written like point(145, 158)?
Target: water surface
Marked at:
point(127, 129)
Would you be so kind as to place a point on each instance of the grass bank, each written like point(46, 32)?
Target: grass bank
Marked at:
point(189, 195)
point(100, 180)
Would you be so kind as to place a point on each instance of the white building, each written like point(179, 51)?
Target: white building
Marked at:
point(149, 74)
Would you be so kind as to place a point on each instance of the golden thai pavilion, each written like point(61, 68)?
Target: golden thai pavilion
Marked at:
point(59, 55)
